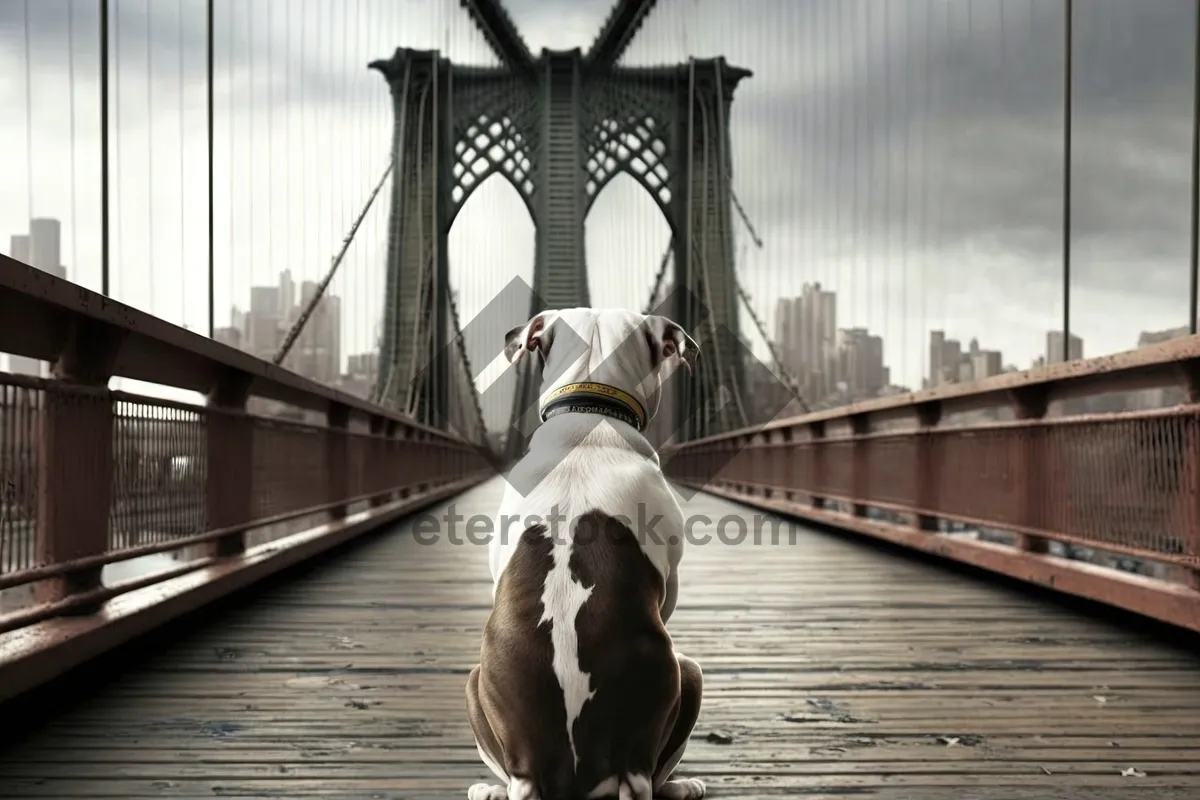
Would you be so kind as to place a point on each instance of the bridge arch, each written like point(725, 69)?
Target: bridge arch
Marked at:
point(491, 242)
point(623, 203)
point(634, 146)
point(490, 145)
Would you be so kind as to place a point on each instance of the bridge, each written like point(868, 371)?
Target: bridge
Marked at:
point(240, 551)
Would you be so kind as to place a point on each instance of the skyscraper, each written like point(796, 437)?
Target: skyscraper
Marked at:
point(264, 322)
point(806, 331)
point(1054, 347)
point(19, 248)
point(946, 359)
point(40, 249)
point(861, 367)
point(45, 246)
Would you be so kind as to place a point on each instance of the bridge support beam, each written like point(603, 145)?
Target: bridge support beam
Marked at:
point(701, 206)
point(559, 132)
point(560, 272)
point(412, 374)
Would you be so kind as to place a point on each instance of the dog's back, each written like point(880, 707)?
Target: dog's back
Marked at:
point(580, 693)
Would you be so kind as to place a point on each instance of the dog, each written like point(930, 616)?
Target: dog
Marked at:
point(579, 692)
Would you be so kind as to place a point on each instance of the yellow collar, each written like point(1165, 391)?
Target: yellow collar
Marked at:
point(601, 394)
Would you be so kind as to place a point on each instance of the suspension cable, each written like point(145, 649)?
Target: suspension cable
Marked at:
point(782, 370)
point(658, 279)
point(791, 381)
point(466, 361)
point(411, 400)
point(300, 322)
point(708, 193)
point(383, 387)
point(758, 242)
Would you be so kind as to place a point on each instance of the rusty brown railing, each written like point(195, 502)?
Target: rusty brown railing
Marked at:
point(93, 480)
point(1083, 476)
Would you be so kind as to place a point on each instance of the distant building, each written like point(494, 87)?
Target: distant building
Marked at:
point(948, 363)
point(1162, 396)
point(1054, 347)
point(316, 354)
point(45, 246)
point(19, 248)
point(860, 363)
point(1147, 338)
point(41, 249)
point(985, 364)
point(807, 339)
point(360, 375)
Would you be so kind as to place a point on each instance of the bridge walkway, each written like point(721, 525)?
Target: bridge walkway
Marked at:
point(833, 669)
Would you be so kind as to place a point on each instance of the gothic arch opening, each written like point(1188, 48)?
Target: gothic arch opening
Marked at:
point(491, 243)
point(635, 147)
point(487, 146)
point(625, 237)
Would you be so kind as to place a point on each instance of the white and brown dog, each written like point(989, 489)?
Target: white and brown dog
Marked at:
point(579, 692)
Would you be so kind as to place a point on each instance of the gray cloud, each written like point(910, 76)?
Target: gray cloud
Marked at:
point(284, 41)
point(142, 35)
point(931, 122)
point(966, 103)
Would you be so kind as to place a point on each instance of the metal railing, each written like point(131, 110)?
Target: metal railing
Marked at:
point(1024, 474)
point(91, 478)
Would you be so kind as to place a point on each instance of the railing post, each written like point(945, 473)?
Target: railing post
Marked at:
point(860, 425)
point(75, 466)
point(1189, 490)
point(337, 462)
point(927, 466)
point(786, 457)
point(1030, 403)
point(819, 459)
point(393, 455)
point(380, 427)
point(229, 482)
point(424, 459)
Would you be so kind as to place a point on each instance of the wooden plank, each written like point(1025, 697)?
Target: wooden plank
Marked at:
point(832, 670)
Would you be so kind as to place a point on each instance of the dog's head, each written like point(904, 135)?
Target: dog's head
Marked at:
point(610, 347)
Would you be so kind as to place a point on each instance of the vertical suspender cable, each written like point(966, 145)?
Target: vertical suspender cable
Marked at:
point(105, 239)
point(208, 90)
point(1068, 14)
point(1194, 290)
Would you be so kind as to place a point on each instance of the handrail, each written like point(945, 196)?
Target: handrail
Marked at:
point(1046, 475)
point(1177, 360)
point(90, 476)
point(40, 313)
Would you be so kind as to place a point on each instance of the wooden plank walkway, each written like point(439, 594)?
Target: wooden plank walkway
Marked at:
point(832, 670)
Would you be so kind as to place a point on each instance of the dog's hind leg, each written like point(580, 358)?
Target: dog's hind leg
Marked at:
point(486, 743)
point(691, 691)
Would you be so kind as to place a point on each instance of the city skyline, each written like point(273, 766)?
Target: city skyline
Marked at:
point(849, 361)
point(965, 242)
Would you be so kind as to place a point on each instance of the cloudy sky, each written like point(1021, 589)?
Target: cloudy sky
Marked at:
point(907, 154)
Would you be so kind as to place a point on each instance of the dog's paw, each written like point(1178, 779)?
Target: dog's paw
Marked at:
point(482, 791)
point(681, 789)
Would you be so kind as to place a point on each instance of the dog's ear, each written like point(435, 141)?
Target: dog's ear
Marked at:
point(667, 339)
point(534, 334)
